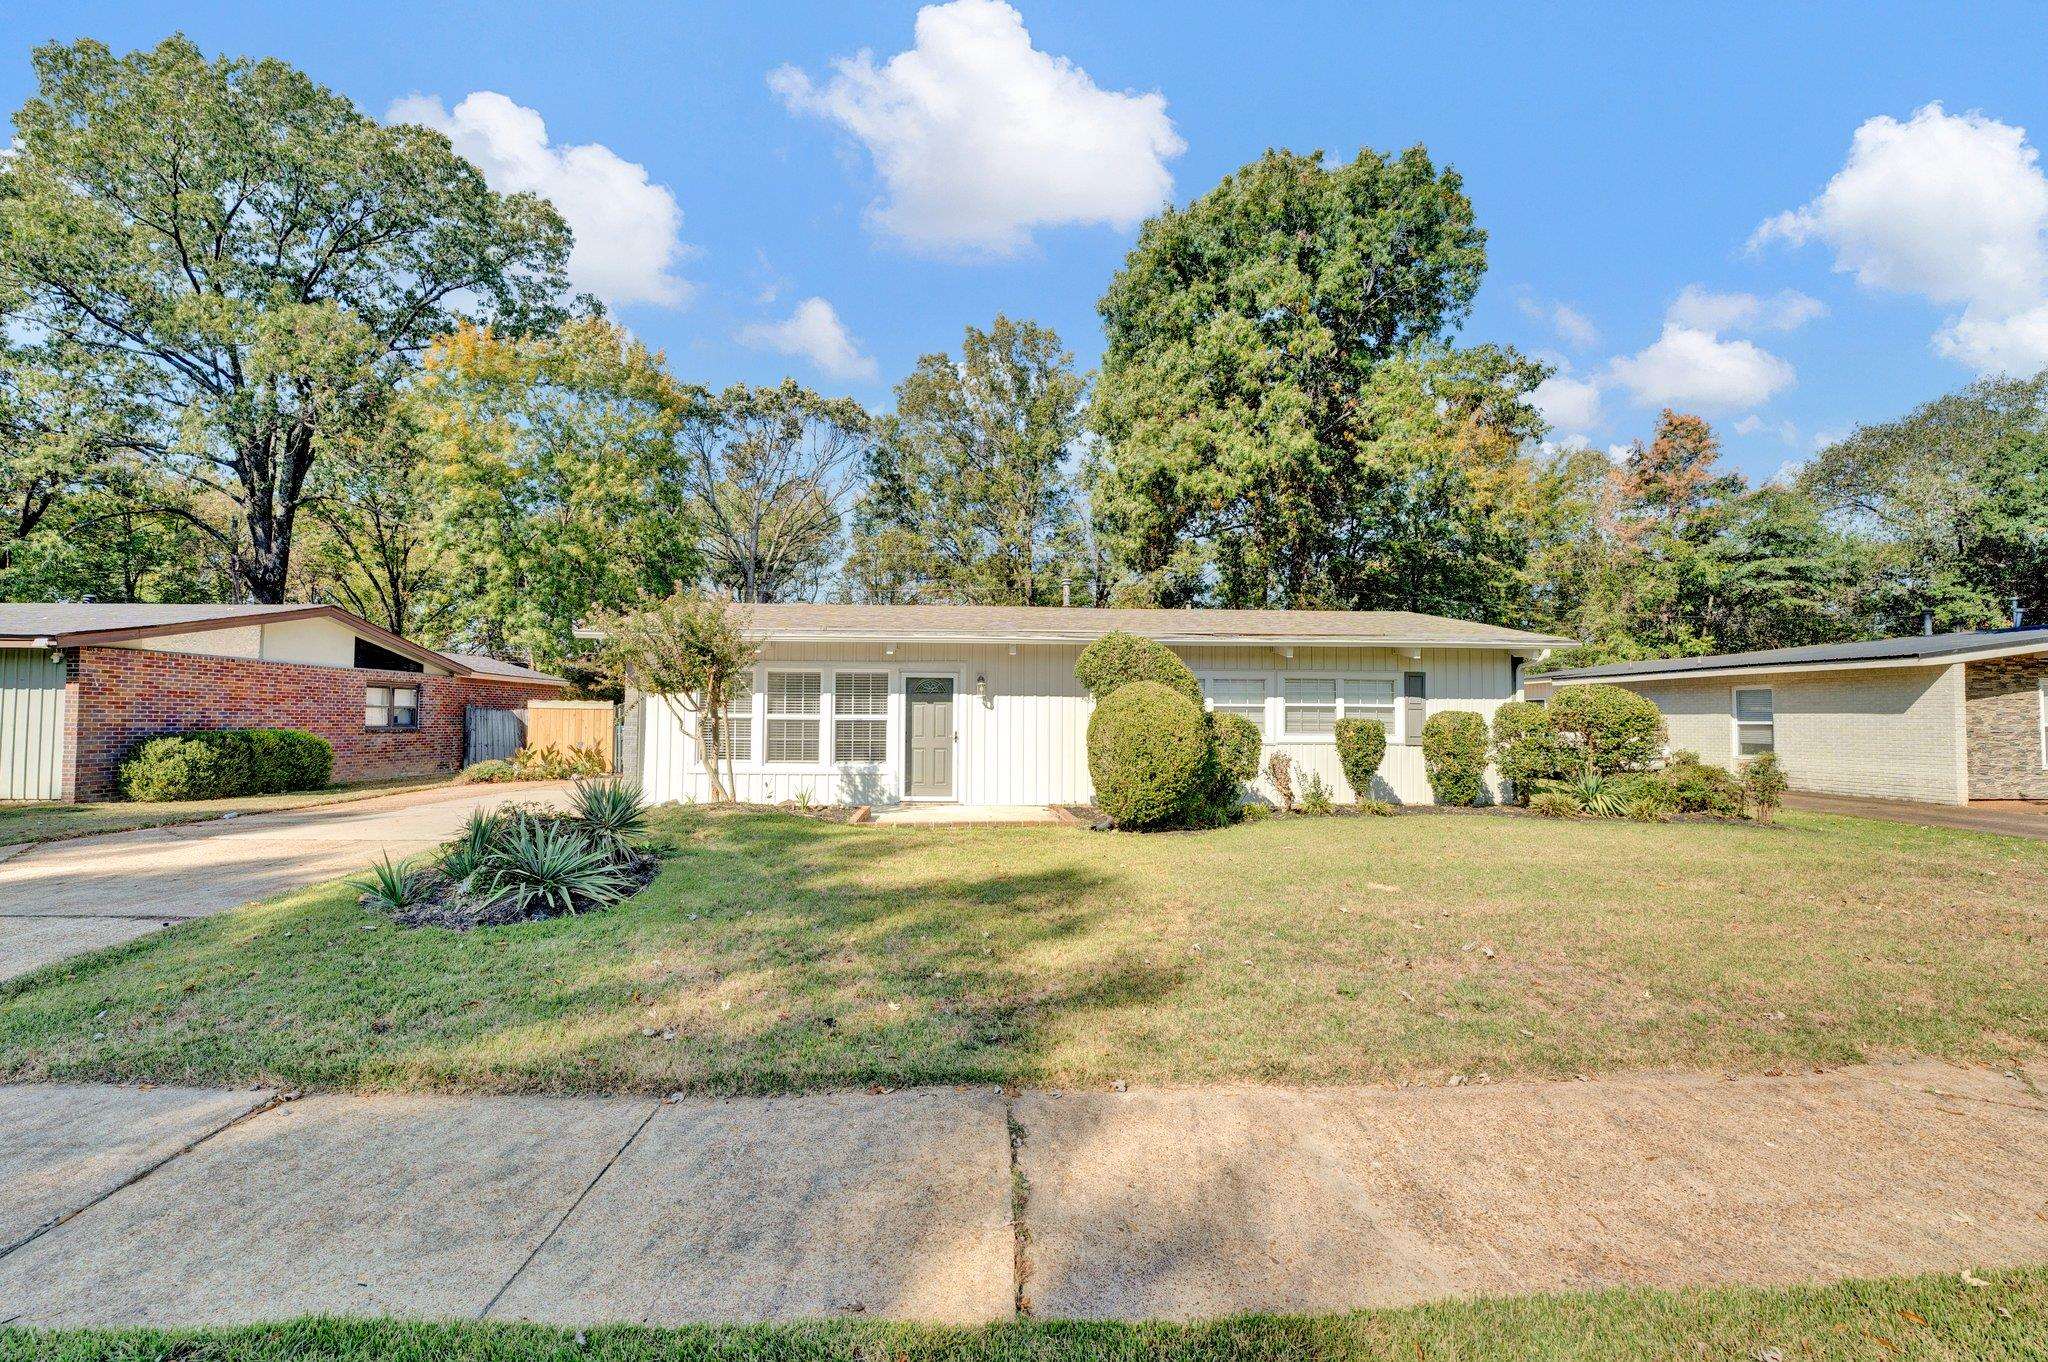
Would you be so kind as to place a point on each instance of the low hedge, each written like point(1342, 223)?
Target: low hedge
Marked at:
point(1361, 746)
point(1150, 757)
point(221, 763)
point(1454, 756)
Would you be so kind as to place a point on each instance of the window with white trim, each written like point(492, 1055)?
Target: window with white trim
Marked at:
point(1756, 728)
point(1243, 695)
point(795, 716)
point(1314, 703)
point(1367, 697)
point(860, 716)
point(736, 732)
point(1311, 703)
point(391, 707)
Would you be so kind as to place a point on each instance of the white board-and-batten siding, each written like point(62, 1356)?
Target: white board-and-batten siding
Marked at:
point(31, 724)
point(1021, 719)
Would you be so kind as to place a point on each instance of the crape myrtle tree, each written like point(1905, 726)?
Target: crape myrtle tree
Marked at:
point(1281, 424)
point(968, 495)
point(252, 260)
point(692, 652)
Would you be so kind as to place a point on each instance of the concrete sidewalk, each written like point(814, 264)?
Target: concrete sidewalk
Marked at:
point(170, 1206)
point(59, 899)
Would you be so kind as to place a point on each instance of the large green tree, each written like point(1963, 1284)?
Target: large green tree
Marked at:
point(560, 482)
point(1244, 333)
point(769, 471)
point(968, 495)
point(1953, 499)
point(251, 259)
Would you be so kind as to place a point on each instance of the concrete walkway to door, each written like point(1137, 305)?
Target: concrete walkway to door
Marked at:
point(168, 1206)
point(59, 899)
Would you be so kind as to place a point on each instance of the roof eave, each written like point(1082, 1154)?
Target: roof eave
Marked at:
point(1850, 664)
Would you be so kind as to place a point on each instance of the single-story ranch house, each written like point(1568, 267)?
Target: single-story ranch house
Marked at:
point(877, 704)
point(1943, 718)
point(80, 685)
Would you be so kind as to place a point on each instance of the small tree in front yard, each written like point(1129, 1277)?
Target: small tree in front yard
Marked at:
point(1454, 756)
point(1763, 785)
point(693, 652)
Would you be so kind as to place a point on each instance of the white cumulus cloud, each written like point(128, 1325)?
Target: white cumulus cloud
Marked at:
point(1570, 405)
point(1699, 370)
point(1702, 309)
point(814, 332)
point(628, 228)
point(1953, 208)
point(980, 138)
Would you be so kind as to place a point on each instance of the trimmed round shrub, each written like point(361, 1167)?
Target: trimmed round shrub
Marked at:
point(1454, 756)
point(1117, 659)
point(221, 763)
point(1149, 756)
point(1238, 746)
point(1526, 748)
point(1361, 746)
point(1610, 727)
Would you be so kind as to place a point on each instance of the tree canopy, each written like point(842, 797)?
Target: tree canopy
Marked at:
point(249, 262)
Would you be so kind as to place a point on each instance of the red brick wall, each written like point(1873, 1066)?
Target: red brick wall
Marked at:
point(119, 696)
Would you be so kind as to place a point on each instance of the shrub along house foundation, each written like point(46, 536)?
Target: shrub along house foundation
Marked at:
point(978, 705)
point(82, 684)
point(1938, 718)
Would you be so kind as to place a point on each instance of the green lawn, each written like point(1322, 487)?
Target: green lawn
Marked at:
point(1931, 1319)
point(778, 953)
point(52, 822)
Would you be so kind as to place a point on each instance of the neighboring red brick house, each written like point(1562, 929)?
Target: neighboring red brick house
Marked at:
point(81, 685)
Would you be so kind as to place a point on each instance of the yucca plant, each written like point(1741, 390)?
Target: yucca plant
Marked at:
point(472, 846)
point(1601, 796)
point(543, 861)
point(393, 886)
point(610, 810)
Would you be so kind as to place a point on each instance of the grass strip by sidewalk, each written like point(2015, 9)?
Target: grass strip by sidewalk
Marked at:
point(1935, 1318)
point(24, 823)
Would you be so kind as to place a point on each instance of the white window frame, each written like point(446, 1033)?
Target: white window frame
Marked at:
point(889, 684)
point(742, 754)
point(2041, 690)
point(819, 720)
point(1266, 693)
point(1286, 735)
point(390, 708)
point(756, 761)
point(1736, 721)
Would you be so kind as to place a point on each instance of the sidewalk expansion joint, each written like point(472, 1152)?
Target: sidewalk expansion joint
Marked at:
point(581, 1197)
point(270, 1103)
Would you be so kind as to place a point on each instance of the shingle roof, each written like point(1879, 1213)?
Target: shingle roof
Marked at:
point(1007, 623)
point(1912, 648)
point(485, 665)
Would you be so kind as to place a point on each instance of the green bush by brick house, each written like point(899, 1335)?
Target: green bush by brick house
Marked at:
point(222, 763)
point(1454, 756)
point(1609, 728)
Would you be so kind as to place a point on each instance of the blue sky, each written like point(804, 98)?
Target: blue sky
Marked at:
point(983, 160)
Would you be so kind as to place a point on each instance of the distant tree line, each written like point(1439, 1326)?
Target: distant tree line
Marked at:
point(255, 344)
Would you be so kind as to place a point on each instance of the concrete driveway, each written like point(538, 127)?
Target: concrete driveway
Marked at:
point(60, 899)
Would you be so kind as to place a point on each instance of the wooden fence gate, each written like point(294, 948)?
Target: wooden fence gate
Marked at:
point(572, 723)
point(491, 734)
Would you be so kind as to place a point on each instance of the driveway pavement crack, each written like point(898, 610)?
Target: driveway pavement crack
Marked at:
point(270, 1103)
point(581, 1196)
